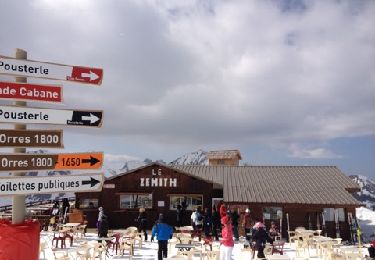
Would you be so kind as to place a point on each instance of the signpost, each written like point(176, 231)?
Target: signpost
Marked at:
point(38, 69)
point(20, 138)
point(31, 138)
point(27, 115)
point(51, 184)
point(32, 92)
point(66, 161)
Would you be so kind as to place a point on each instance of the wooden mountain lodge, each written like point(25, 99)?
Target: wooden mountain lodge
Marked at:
point(315, 197)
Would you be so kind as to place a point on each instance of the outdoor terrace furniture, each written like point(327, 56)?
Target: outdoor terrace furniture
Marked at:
point(351, 252)
point(59, 237)
point(185, 238)
point(278, 257)
point(97, 250)
point(278, 247)
point(186, 247)
point(43, 247)
point(172, 242)
point(83, 252)
point(81, 231)
point(191, 253)
point(292, 237)
point(62, 254)
point(115, 242)
point(132, 233)
point(127, 244)
point(177, 257)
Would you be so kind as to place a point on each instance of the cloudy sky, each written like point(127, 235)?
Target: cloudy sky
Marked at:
point(285, 82)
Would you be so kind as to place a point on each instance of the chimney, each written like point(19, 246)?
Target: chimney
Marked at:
point(224, 157)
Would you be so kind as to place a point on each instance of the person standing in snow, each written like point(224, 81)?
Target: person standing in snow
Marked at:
point(142, 222)
point(227, 242)
point(163, 232)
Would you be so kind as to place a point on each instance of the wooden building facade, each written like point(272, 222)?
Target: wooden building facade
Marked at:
point(315, 197)
point(157, 188)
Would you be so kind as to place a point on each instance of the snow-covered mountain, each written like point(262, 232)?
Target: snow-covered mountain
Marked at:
point(367, 193)
point(195, 158)
point(115, 167)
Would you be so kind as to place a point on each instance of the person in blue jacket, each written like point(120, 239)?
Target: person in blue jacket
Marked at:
point(163, 232)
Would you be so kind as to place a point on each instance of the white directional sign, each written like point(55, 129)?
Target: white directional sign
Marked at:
point(51, 184)
point(27, 115)
point(37, 69)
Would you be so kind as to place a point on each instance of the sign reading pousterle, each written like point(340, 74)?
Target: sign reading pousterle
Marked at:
point(37, 69)
point(27, 115)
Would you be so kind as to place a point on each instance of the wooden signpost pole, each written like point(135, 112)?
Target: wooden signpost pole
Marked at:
point(18, 201)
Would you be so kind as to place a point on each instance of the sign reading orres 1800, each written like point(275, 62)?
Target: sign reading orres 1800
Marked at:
point(31, 138)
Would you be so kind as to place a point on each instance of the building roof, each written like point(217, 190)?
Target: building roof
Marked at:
point(321, 185)
point(224, 154)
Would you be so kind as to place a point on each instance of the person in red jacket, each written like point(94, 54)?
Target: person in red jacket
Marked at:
point(222, 209)
point(227, 242)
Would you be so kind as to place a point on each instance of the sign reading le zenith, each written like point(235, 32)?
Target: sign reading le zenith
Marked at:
point(37, 69)
point(65, 161)
point(51, 184)
point(27, 115)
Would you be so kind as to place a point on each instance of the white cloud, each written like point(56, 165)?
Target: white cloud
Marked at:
point(312, 153)
point(206, 73)
point(121, 158)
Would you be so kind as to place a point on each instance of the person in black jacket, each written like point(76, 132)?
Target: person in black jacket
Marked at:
point(142, 222)
point(103, 227)
point(207, 222)
point(235, 218)
point(65, 209)
point(179, 215)
point(260, 236)
point(215, 223)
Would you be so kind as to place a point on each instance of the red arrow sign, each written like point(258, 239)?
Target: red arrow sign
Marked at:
point(33, 92)
point(37, 69)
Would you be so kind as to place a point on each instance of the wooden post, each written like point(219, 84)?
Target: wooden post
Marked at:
point(18, 201)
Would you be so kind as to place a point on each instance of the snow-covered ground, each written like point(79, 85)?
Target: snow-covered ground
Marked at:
point(148, 251)
point(366, 219)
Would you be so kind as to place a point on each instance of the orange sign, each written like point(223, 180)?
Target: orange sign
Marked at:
point(79, 161)
point(66, 161)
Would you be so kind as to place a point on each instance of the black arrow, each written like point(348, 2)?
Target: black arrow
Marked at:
point(93, 182)
point(92, 161)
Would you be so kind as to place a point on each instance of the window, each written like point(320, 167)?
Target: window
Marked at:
point(329, 214)
point(131, 201)
point(192, 201)
point(272, 213)
point(89, 204)
point(221, 162)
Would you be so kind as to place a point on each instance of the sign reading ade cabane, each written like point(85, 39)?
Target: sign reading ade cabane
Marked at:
point(157, 181)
